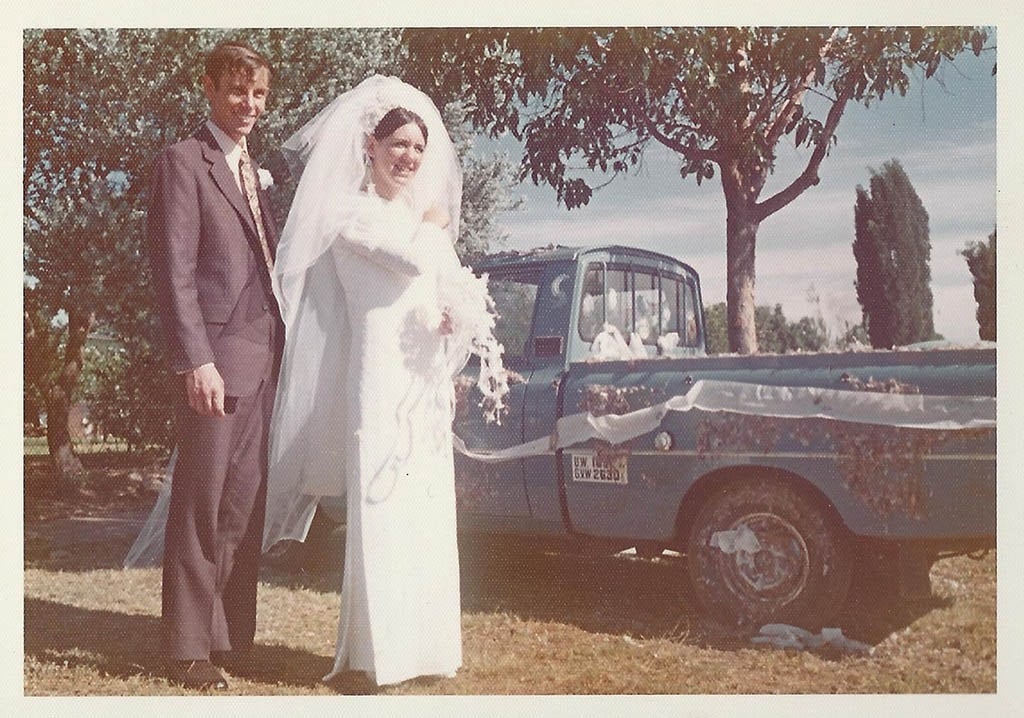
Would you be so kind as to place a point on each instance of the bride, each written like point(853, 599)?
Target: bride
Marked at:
point(380, 315)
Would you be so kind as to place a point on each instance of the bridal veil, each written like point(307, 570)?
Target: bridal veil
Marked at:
point(328, 154)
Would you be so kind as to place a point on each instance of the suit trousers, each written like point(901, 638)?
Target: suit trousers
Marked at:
point(215, 528)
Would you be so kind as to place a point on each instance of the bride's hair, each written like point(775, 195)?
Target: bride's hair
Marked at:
point(395, 118)
point(327, 157)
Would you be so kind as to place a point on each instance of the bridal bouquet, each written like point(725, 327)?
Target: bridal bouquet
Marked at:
point(471, 316)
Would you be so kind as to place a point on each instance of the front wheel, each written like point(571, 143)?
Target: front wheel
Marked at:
point(761, 552)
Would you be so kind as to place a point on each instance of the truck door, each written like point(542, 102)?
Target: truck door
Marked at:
point(546, 353)
point(493, 495)
point(627, 490)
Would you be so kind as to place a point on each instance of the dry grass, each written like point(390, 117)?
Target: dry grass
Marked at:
point(532, 624)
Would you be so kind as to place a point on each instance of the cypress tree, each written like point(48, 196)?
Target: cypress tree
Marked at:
point(981, 261)
point(893, 249)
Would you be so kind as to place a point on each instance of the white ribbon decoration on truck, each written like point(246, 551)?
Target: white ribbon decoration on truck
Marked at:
point(912, 411)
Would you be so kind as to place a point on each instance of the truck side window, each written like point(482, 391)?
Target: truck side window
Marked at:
point(515, 296)
point(619, 301)
point(648, 304)
point(689, 314)
point(651, 303)
point(678, 312)
point(673, 305)
point(592, 302)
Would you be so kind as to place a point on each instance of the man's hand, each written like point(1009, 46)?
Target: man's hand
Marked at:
point(205, 389)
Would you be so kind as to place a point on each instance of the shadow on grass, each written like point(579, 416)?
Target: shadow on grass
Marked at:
point(80, 543)
point(617, 595)
point(645, 598)
point(598, 593)
point(874, 611)
point(119, 645)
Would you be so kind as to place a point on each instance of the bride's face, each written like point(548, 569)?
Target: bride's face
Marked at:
point(395, 159)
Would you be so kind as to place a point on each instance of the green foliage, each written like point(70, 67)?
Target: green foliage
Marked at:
point(893, 249)
point(42, 356)
point(597, 97)
point(487, 184)
point(855, 336)
point(981, 261)
point(716, 328)
point(129, 393)
point(775, 333)
point(586, 100)
point(98, 105)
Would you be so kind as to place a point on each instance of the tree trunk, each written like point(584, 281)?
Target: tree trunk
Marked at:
point(33, 368)
point(66, 464)
point(741, 239)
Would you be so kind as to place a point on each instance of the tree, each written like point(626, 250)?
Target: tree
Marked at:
point(853, 336)
point(41, 360)
point(98, 105)
point(775, 333)
point(718, 97)
point(981, 261)
point(95, 104)
point(892, 248)
point(487, 188)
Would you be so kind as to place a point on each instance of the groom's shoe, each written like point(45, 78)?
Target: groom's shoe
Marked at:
point(247, 663)
point(238, 662)
point(197, 675)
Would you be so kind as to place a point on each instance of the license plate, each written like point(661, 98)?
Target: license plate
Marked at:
point(591, 467)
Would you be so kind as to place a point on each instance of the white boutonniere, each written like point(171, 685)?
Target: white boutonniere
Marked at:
point(266, 179)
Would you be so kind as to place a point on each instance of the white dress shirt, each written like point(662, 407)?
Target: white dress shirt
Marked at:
point(232, 151)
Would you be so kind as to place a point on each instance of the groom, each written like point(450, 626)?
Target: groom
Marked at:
point(212, 241)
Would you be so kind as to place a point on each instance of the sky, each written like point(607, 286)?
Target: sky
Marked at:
point(943, 132)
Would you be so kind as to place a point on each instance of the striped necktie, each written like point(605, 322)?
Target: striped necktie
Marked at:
point(248, 176)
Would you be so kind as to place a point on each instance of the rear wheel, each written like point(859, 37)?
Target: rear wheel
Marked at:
point(762, 552)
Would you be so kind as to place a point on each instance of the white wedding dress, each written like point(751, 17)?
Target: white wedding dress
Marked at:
point(400, 608)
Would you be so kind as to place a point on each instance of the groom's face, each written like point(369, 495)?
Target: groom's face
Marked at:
point(237, 99)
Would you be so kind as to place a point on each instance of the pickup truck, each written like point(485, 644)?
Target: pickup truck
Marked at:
point(773, 508)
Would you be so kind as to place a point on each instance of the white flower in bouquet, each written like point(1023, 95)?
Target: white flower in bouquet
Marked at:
point(472, 316)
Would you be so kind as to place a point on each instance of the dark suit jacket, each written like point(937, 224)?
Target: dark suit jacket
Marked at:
point(213, 290)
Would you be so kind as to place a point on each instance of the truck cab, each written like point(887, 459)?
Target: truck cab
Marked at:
point(771, 513)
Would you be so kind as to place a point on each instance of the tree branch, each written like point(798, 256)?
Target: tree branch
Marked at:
point(796, 95)
point(693, 153)
point(770, 101)
point(809, 177)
